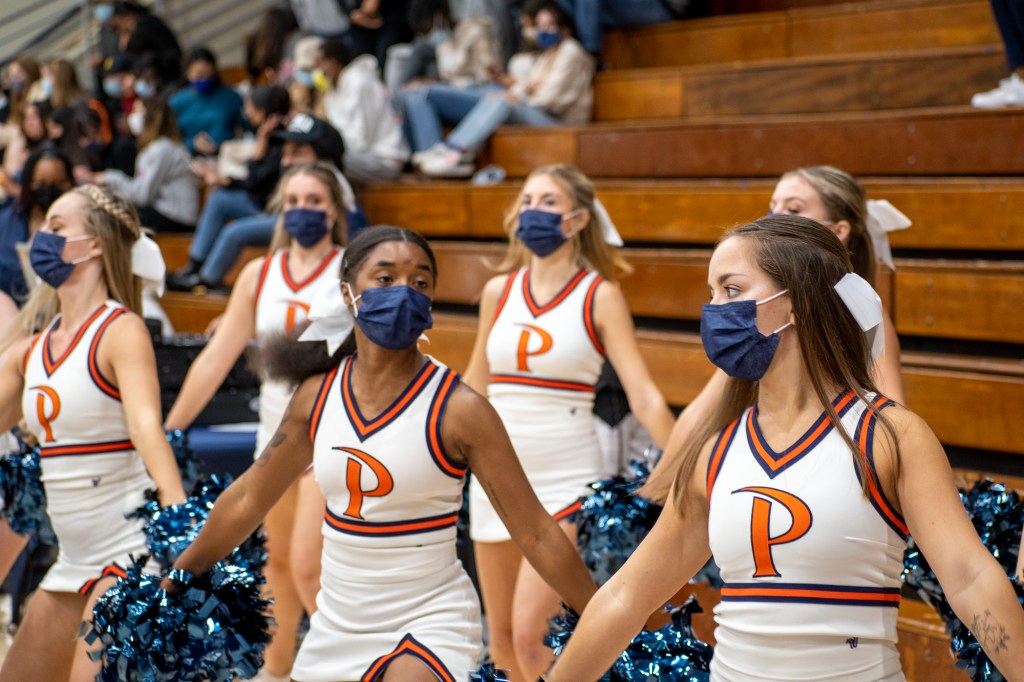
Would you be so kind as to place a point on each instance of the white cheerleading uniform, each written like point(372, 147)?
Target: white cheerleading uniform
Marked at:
point(544, 362)
point(281, 304)
point(91, 472)
point(391, 583)
point(811, 566)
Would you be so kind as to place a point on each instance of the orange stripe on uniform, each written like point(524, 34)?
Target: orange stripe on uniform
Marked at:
point(51, 366)
point(540, 310)
point(94, 369)
point(297, 286)
point(410, 527)
point(318, 406)
point(31, 347)
point(504, 296)
point(721, 447)
point(409, 645)
point(568, 511)
point(264, 271)
point(86, 449)
point(881, 502)
point(588, 314)
point(541, 383)
point(799, 449)
point(364, 429)
point(434, 440)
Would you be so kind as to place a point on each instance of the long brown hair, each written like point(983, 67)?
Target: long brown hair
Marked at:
point(590, 249)
point(844, 199)
point(114, 220)
point(325, 173)
point(20, 100)
point(159, 122)
point(806, 258)
point(66, 90)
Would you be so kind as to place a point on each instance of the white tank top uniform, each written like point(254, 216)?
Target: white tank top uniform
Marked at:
point(91, 472)
point(281, 304)
point(391, 583)
point(544, 362)
point(811, 566)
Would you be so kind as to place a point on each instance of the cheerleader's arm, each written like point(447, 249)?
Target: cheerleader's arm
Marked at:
point(12, 384)
point(242, 507)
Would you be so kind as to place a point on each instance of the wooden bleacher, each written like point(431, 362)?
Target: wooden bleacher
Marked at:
point(695, 121)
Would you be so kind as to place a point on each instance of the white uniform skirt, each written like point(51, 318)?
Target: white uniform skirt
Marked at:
point(274, 399)
point(560, 455)
point(379, 603)
point(95, 537)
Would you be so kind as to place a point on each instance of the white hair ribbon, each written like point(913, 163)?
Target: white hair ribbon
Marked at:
point(148, 263)
point(866, 307)
point(604, 221)
point(330, 319)
point(883, 218)
point(348, 197)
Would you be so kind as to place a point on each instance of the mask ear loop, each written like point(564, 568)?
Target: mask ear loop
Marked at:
point(78, 239)
point(351, 295)
point(772, 298)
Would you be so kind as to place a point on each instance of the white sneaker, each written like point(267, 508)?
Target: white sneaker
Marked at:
point(1010, 93)
point(439, 149)
point(451, 164)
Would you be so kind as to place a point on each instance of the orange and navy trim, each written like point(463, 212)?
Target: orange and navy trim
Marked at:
point(264, 271)
point(297, 286)
point(807, 593)
point(588, 313)
point(569, 512)
point(775, 463)
point(434, 418)
point(866, 442)
point(48, 363)
point(321, 400)
point(537, 310)
point(94, 366)
point(112, 569)
point(719, 452)
point(503, 299)
point(556, 384)
point(410, 646)
point(86, 448)
point(380, 529)
point(28, 353)
point(364, 428)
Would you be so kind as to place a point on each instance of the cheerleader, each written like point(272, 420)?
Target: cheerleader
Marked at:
point(274, 295)
point(804, 482)
point(545, 330)
point(87, 388)
point(391, 433)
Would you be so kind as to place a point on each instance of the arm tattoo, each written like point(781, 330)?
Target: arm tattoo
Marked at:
point(275, 442)
point(278, 438)
point(990, 632)
point(497, 501)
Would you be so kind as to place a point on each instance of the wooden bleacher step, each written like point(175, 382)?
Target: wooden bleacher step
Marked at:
point(174, 247)
point(818, 84)
point(841, 29)
point(935, 141)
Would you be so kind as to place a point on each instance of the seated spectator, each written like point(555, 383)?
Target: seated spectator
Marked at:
point(22, 83)
point(30, 136)
point(522, 62)
point(118, 153)
point(592, 17)
point(305, 140)
point(461, 57)
point(377, 25)
point(324, 18)
point(557, 92)
point(357, 104)
point(208, 111)
point(145, 35)
point(267, 49)
point(163, 190)
point(306, 98)
point(1010, 19)
point(47, 175)
point(119, 85)
point(232, 199)
point(62, 131)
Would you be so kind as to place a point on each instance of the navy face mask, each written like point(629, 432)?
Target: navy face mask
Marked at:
point(203, 86)
point(305, 225)
point(393, 317)
point(541, 231)
point(546, 39)
point(732, 341)
point(46, 257)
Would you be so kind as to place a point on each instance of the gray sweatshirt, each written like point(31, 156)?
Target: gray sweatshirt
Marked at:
point(163, 180)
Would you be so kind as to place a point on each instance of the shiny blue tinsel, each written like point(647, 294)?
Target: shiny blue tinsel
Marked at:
point(612, 522)
point(188, 464)
point(214, 629)
point(997, 515)
point(24, 496)
point(670, 654)
point(488, 673)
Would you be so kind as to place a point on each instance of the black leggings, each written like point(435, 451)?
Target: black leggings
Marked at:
point(1010, 18)
point(157, 221)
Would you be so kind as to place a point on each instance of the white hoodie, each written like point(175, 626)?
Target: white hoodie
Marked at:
point(360, 108)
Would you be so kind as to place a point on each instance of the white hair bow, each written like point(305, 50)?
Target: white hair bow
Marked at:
point(883, 218)
point(866, 307)
point(330, 319)
point(604, 221)
point(148, 263)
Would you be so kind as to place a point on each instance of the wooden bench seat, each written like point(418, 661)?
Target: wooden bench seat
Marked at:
point(174, 247)
point(852, 27)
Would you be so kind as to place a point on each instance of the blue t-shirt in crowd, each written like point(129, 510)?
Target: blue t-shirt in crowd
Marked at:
point(217, 113)
point(13, 229)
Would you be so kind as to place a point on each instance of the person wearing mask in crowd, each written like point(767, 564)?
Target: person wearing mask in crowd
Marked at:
point(143, 34)
point(305, 140)
point(377, 25)
point(30, 137)
point(557, 92)
point(1009, 16)
point(521, 63)
point(266, 50)
point(545, 330)
point(148, 82)
point(23, 87)
point(60, 84)
point(273, 295)
point(46, 176)
point(62, 131)
point(118, 81)
point(462, 56)
point(163, 190)
point(231, 199)
point(119, 153)
point(357, 104)
point(306, 97)
point(208, 111)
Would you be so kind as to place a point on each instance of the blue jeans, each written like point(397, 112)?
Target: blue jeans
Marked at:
point(593, 16)
point(1010, 19)
point(254, 230)
point(221, 206)
point(427, 109)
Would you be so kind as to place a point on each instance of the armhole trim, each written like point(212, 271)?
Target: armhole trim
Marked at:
point(588, 313)
point(434, 441)
point(321, 400)
point(263, 278)
point(719, 452)
point(97, 377)
point(28, 353)
point(504, 295)
point(866, 444)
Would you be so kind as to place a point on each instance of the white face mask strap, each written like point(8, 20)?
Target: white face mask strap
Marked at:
point(782, 327)
point(355, 299)
point(772, 298)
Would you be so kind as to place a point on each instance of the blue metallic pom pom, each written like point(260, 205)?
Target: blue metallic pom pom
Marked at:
point(612, 522)
point(24, 496)
point(188, 463)
point(214, 629)
point(488, 673)
point(998, 516)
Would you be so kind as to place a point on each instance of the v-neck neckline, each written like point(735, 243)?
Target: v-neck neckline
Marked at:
point(365, 428)
point(48, 363)
point(538, 310)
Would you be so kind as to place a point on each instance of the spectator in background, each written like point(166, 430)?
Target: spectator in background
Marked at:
point(302, 89)
point(461, 57)
point(146, 35)
point(31, 135)
point(357, 104)
point(119, 85)
point(47, 175)
point(60, 84)
point(208, 111)
point(522, 62)
point(265, 50)
point(163, 190)
point(148, 82)
point(22, 84)
point(323, 18)
point(592, 17)
point(557, 92)
point(377, 25)
point(118, 153)
point(62, 131)
point(266, 109)
point(1010, 18)
point(66, 95)
point(500, 14)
